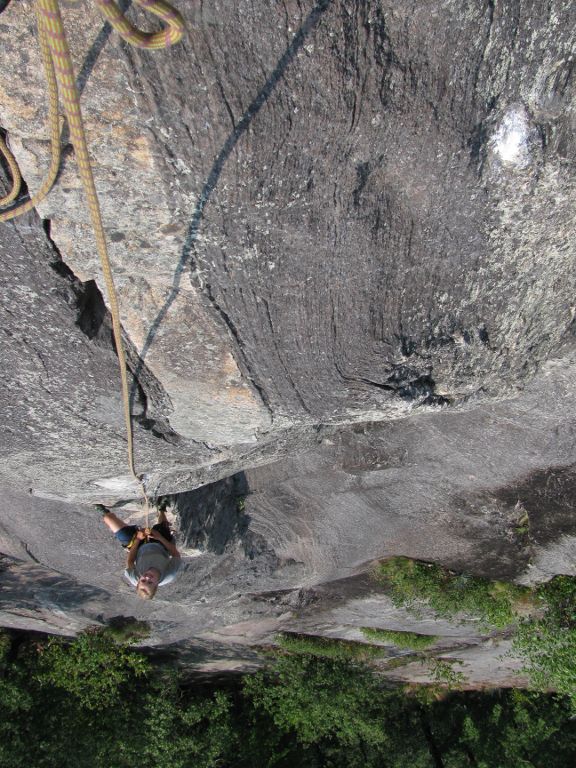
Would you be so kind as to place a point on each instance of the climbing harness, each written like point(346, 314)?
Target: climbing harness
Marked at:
point(60, 78)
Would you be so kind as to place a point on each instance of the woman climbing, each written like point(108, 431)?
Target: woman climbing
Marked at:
point(153, 559)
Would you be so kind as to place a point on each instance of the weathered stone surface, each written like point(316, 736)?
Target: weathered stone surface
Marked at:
point(366, 209)
point(207, 397)
point(372, 201)
point(343, 241)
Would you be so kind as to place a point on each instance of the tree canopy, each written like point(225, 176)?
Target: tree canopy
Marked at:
point(94, 702)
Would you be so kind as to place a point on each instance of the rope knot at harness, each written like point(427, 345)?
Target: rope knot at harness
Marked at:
point(61, 80)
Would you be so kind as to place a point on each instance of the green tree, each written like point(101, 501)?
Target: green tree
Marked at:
point(94, 668)
point(91, 703)
point(318, 699)
point(302, 711)
point(548, 644)
point(499, 729)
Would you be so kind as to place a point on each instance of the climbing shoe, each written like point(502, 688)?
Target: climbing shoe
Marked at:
point(101, 509)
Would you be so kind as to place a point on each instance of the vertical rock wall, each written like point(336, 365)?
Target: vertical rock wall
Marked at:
point(326, 212)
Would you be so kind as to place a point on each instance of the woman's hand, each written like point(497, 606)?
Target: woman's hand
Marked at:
point(168, 544)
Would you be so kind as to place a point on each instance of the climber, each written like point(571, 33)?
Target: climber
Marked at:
point(153, 559)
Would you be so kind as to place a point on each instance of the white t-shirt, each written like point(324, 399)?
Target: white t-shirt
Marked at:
point(153, 555)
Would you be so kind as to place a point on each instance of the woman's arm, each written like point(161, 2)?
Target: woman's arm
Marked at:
point(133, 551)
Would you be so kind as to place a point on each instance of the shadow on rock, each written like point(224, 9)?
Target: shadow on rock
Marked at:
point(212, 518)
point(510, 524)
point(29, 587)
point(545, 499)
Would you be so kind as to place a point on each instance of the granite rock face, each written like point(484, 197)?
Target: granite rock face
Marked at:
point(342, 235)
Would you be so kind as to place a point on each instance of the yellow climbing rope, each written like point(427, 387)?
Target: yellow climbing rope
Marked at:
point(60, 77)
point(54, 125)
point(14, 173)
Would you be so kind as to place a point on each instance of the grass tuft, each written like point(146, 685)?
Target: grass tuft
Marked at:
point(411, 640)
point(328, 647)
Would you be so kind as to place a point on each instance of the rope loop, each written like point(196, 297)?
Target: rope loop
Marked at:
point(14, 173)
point(171, 34)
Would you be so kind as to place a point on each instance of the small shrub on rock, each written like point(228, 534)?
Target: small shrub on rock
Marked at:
point(412, 583)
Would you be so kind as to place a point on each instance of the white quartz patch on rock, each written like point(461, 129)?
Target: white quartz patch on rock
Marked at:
point(512, 137)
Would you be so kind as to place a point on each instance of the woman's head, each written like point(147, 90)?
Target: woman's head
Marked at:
point(148, 584)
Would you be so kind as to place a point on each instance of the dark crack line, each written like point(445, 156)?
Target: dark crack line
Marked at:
point(236, 336)
point(379, 385)
point(96, 49)
point(219, 83)
point(29, 553)
point(334, 333)
point(280, 357)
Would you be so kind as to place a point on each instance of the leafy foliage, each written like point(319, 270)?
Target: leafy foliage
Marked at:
point(303, 711)
point(94, 703)
point(501, 729)
point(184, 730)
point(94, 668)
point(126, 629)
point(328, 647)
point(559, 598)
point(449, 594)
point(318, 699)
point(548, 644)
point(444, 673)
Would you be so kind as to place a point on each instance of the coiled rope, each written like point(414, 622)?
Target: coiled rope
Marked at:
point(61, 79)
